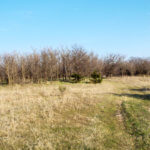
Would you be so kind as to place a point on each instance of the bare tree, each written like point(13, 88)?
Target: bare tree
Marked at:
point(11, 68)
point(51, 65)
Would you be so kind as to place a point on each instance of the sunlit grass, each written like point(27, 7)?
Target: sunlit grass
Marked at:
point(85, 116)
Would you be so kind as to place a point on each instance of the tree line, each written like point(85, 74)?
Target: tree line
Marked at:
point(51, 65)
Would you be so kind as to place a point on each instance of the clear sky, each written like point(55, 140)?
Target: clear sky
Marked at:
point(102, 26)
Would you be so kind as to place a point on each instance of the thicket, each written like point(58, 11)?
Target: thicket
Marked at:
point(68, 64)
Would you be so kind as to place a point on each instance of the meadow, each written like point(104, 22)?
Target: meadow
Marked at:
point(113, 115)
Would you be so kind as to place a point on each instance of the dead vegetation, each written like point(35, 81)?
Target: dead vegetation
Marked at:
point(87, 116)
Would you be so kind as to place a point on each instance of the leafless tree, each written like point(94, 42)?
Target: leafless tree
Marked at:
point(52, 64)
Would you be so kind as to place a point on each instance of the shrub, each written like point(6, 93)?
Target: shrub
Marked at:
point(62, 89)
point(76, 77)
point(96, 77)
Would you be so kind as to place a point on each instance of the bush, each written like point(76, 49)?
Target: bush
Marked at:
point(76, 77)
point(62, 89)
point(96, 77)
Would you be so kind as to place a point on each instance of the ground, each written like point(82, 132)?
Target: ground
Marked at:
point(113, 115)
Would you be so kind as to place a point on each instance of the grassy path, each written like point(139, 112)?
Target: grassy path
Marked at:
point(135, 111)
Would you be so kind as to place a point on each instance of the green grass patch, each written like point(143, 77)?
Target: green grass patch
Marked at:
point(137, 122)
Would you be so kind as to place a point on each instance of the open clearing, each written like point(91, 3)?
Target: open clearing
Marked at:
point(113, 115)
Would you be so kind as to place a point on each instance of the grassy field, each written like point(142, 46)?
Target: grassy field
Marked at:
point(114, 115)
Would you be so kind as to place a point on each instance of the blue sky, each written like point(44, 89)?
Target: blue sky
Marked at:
point(102, 26)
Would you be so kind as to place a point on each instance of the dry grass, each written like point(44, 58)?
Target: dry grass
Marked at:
point(85, 117)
